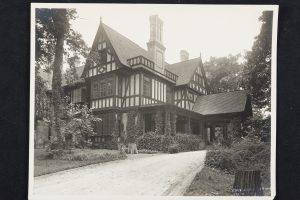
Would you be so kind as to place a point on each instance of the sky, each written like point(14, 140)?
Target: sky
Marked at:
point(212, 30)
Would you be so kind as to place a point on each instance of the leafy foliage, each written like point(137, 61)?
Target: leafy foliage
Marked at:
point(42, 102)
point(53, 31)
point(188, 142)
point(79, 125)
point(154, 141)
point(48, 27)
point(132, 133)
point(257, 72)
point(159, 123)
point(250, 154)
point(71, 74)
point(150, 141)
point(224, 73)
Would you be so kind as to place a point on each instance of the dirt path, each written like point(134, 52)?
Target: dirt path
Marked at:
point(165, 174)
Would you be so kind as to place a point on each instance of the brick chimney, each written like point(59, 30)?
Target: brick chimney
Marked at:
point(155, 45)
point(184, 55)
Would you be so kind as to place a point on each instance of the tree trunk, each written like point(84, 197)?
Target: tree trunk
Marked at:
point(59, 18)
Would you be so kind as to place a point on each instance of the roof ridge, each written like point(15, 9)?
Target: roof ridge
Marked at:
point(185, 61)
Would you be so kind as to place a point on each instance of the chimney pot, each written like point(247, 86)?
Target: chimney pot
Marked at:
point(184, 55)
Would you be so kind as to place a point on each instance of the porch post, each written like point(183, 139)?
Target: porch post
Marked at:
point(167, 123)
point(188, 125)
point(212, 133)
point(173, 123)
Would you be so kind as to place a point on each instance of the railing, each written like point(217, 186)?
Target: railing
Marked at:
point(171, 75)
point(141, 60)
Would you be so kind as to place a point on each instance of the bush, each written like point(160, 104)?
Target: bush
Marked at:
point(154, 141)
point(150, 141)
point(166, 141)
point(188, 142)
point(248, 154)
point(221, 159)
point(173, 148)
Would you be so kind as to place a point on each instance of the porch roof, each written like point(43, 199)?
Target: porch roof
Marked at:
point(223, 103)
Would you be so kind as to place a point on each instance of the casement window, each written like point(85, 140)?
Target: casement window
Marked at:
point(147, 86)
point(109, 88)
point(102, 88)
point(95, 91)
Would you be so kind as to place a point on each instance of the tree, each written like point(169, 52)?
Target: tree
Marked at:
point(54, 40)
point(224, 73)
point(41, 100)
point(71, 74)
point(257, 71)
point(79, 125)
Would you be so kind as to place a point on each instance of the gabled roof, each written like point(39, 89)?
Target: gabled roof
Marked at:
point(184, 70)
point(124, 47)
point(222, 103)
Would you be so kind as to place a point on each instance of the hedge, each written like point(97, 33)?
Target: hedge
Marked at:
point(156, 142)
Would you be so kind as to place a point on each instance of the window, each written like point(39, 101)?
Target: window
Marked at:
point(109, 88)
point(147, 86)
point(95, 93)
point(102, 88)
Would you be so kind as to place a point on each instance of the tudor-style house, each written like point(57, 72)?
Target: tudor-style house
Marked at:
point(122, 80)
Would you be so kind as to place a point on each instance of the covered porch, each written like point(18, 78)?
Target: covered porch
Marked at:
point(170, 119)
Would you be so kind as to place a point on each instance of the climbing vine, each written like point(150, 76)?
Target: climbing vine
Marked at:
point(167, 123)
point(159, 122)
point(173, 124)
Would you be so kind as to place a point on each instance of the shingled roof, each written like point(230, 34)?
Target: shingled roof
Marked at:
point(124, 47)
point(184, 70)
point(222, 103)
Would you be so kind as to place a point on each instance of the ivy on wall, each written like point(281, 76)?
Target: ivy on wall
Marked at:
point(173, 123)
point(159, 124)
point(139, 124)
point(131, 132)
point(167, 123)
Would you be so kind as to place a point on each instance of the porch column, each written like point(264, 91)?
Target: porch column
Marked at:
point(203, 131)
point(188, 125)
point(167, 123)
point(224, 127)
point(173, 123)
point(212, 133)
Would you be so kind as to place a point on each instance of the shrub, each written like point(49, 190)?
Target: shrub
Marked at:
point(188, 142)
point(150, 141)
point(249, 154)
point(166, 141)
point(221, 159)
point(173, 148)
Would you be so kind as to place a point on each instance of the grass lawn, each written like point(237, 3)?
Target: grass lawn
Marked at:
point(211, 182)
point(44, 165)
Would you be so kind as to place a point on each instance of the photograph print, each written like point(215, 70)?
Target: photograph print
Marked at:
point(141, 100)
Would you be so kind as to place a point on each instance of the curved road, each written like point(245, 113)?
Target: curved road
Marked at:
point(163, 174)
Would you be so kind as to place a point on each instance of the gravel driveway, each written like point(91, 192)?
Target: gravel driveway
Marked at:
point(162, 174)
